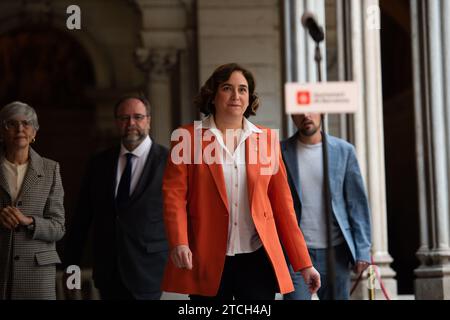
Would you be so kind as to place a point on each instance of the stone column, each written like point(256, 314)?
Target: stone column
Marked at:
point(364, 65)
point(166, 35)
point(431, 64)
point(158, 65)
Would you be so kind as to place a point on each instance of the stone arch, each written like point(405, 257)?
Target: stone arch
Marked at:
point(50, 70)
point(100, 60)
point(42, 65)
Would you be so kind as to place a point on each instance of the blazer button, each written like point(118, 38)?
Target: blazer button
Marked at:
point(17, 258)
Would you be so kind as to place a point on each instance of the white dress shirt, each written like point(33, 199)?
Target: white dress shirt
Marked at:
point(137, 162)
point(14, 174)
point(242, 234)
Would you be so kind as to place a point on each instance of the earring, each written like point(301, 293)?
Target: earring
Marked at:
point(33, 140)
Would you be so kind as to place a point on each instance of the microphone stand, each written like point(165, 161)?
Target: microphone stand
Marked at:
point(331, 270)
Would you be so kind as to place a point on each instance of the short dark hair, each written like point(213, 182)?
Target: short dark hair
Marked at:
point(139, 97)
point(205, 98)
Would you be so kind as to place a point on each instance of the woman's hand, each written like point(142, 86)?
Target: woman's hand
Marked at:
point(312, 279)
point(11, 217)
point(182, 257)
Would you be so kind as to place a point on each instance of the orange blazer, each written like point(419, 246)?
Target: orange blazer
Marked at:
point(196, 214)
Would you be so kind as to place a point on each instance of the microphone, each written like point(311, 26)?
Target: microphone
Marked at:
point(309, 22)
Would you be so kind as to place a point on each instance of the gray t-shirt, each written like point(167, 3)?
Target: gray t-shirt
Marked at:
point(313, 218)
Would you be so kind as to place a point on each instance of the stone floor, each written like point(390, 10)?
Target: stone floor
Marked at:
point(176, 296)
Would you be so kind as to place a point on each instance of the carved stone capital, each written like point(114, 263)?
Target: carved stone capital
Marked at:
point(156, 63)
point(433, 257)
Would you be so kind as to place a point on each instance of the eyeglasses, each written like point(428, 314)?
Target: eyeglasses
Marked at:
point(135, 117)
point(15, 124)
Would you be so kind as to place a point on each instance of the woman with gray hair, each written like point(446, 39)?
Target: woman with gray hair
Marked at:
point(31, 209)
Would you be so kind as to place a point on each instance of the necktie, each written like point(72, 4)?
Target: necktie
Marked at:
point(123, 192)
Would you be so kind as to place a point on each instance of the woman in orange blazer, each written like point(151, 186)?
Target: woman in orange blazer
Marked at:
point(227, 205)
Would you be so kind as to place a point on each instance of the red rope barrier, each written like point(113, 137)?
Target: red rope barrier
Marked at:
point(377, 273)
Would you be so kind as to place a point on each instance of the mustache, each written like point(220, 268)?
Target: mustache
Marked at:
point(132, 128)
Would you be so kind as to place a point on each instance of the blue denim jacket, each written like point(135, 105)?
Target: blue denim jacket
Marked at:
point(349, 199)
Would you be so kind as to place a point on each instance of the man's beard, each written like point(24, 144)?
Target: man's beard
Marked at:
point(309, 132)
point(135, 137)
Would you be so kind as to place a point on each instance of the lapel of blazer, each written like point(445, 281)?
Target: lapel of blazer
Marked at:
point(3, 183)
point(253, 164)
point(290, 156)
point(34, 173)
point(147, 173)
point(216, 171)
point(332, 161)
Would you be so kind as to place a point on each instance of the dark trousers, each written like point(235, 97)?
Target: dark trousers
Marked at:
point(247, 276)
point(116, 290)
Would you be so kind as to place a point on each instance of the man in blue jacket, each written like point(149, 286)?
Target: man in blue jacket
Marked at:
point(351, 230)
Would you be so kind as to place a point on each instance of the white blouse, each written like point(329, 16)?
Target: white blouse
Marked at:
point(14, 174)
point(242, 234)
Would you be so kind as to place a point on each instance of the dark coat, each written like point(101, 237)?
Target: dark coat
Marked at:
point(131, 239)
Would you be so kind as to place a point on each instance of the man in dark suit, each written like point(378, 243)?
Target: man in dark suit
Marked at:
point(121, 196)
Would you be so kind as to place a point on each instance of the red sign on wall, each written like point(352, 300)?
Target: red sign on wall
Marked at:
point(329, 97)
point(303, 97)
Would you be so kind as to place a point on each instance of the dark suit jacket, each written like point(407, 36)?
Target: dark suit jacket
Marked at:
point(131, 239)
